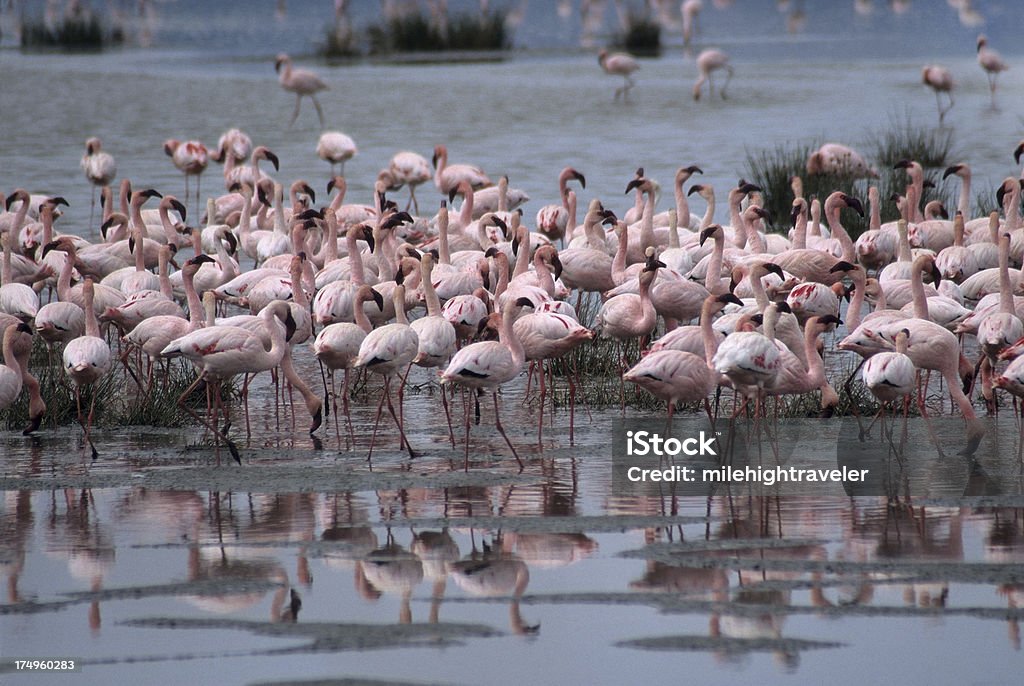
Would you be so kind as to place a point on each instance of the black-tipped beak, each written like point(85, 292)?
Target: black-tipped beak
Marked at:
point(399, 276)
point(378, 299)
point(1017, 152)
point(232, 242)
point(902, 164)
point(582, 179)
point(151, 193)
point(368, 237)
point(783, 306)
point(635, 183)
point(289, 326)
point(841, 266)
point(773, 268)
point(763, 214)
point(707, 233)
point(451, 194)
point(309, 191)
point(59, 200)
point(525, 302)
point(1000, 194)
point(951, 170)
point(318, 419)
point(749, 187)
point(491, 252)
point(695, 188)
point(433, 161)
point(730, 298)
point(854, 204)
point(180, 209)
point(199, 260)
point(330, 186)
point(694, 169)
point(936, 276)
point(556, 264)
point(830, 319)
point(272, 158)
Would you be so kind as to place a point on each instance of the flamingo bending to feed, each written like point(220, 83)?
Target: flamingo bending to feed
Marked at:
point(891, 375)
point(489, 364)
point(619, 64)
point(708, 62)
point(11, 372)
point(87, 360)
point(302, 82)
point(222, 352)
point(99, 167)
point(336, 147)
point(940, 80)
point(409, 169)
point(751, 360)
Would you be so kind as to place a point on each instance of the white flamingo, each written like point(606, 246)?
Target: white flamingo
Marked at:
point(447, 177)
point(940, 80)
point(190, 157)
point(708, 62)
point(337, 148)
point(99, 168)
point(991, 63)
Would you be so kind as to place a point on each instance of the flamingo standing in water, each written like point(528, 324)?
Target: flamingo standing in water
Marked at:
point(891, 375)
point(222, 352)
point(302, 82)
point(708, 62)
point(489, 364)
point(387, 351)
point(992, 63)
point(190, 157)
point(410, 169)
point(553, 220)
point(940, 80)
point(619, 64)
point(99, 167)
point(11, 372)
point(448, 177)
point(336, 147)
point(87, 360)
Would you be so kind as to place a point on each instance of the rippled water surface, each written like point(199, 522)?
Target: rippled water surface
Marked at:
point(156, 564)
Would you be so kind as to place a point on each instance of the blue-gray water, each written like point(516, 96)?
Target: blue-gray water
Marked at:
point(871, 578)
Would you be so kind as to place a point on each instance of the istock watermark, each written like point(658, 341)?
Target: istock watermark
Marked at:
point(894, 457)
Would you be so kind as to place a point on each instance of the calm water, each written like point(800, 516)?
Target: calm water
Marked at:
point(101, 559)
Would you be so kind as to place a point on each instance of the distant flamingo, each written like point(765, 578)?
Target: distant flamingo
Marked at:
point(99, 167)
point(940, 80)
point(190, 157)
point(708, 62)
point(690, 10)
point(302, 82)
point(619, 64)
point(336, 147)
point(992, 63)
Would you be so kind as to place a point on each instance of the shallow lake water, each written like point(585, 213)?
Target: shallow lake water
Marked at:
point(156, 564)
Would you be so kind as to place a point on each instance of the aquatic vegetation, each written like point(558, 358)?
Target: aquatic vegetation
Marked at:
point(641, 36)
point(84, 30)
point(459, 32)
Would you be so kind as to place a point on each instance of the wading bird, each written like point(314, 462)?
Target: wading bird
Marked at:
point(302, 82)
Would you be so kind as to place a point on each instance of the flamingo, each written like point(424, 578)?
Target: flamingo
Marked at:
point(448, 177)
point(553, 220)
point(86, 360)
point(387, 351)
point(1000, 329)
point(99, 167)
point(677, 376)
point(991, 63)
point(690, 9)
point(221, 352)
point(337, 346)
point(15, 298)
point(11, 372)
point(191, 159)
point(619, 64)
point(836, 158)
point(302, 82)
point(489, 364)
point(891, 375)
point(410, 169)
point(940, 80)
point(751, 360)
point(708, 62)
point(336, 147)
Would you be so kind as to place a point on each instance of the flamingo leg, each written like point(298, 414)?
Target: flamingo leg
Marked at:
point(376, 423)
point(398, 422)
point(298, 106)
point(501, 430)
point(540, 421)
point(465, 408)
point(205, 422)
point(447, 415)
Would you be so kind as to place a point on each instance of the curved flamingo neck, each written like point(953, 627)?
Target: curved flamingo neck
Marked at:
point(682, 204)
point(355, 259)
point(839, 233)
point(739, 235)
point(647, 222)
point(709, 210)
point(429, 294)
point(398, 298)
point(523, 255)
point(714, 273)
point(196, 311)
point(815, 365)
point(963, 203)
point(754, 239)
point(673, 229)
point(707, 331)
point(619, 260)
point(853, 315)
point(359, 314)
point(754, 275)
point(10, 359)
point(917, 288)
point(162, 265)
point(64, 280)
point(92, 327)
point(444, 253)
point(507, 334)
point(165, 224)
point(1005, 288)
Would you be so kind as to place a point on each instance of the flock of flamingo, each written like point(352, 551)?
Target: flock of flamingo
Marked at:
point(476, 293)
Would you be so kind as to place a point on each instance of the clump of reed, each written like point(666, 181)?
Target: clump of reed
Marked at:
point(78, 30)
point(463, 32)
point(772, 170)
point(641, 35)
point(119, 401)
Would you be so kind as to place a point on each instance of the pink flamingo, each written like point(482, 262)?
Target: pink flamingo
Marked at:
point(619, 64)
point(489, 364)
point(302, 82)
point(99, 167)
point(552, 220)
point(191, 159)
point(336, 147)
point(448, 177)
point(940, 80)
point(86, 360)
point(992, 63)
point(708, 62)
point(409, 169)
